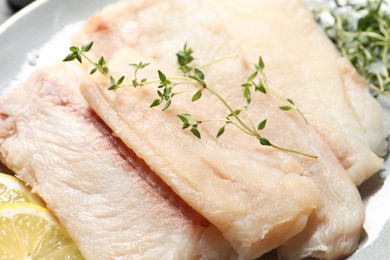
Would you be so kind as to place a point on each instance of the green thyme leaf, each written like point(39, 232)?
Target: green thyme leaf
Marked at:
point(161, 76)
point(78, 57)
point(261, 125)
point(290, 101)
point(185, 118)
point(260, 87)
point(93, 70)
point(195, 131)
point(70, 57)
point(184, 57)
point(87, 47)
point(156, 103)
point(252, 77)
point(167, 104)
point(246, 85)
point(113, 87)
point(139, 65)
point(264, 141)
point(105, 70)
point(221, 131)
point(198, 74)
point(74, 49)
point(120, 80)
point(102, 61)
point(247, 95)
point(143, 65)
point(260, 65)
point(160, 94)
point(135, 83)
point(112, 80)
point(167, 93)
point(197, 95)
point(185, 126)
point(236, 112)
point(285, 108)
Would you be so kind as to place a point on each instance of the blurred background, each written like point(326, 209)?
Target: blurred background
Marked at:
point(9, 7)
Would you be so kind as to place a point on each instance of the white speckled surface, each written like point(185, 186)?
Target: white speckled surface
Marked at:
point(35, 25)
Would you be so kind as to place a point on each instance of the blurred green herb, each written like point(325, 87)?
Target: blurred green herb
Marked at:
point(362, 34)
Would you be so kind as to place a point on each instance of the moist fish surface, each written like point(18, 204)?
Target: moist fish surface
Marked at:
point(301, 62)
point(304, 65)
point(335, 230)
point(256, 204)
point(108, 199)
point(199, 170)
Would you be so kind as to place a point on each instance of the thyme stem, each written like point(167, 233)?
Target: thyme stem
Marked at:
point(216, 94)
point(228, 57)
point(294, 151)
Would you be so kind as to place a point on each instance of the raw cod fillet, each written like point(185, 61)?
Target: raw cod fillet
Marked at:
point(333, 232)
point(111, 203)
point(300, 62)
point(337, 231)
point(257, 205)
point(304, 65)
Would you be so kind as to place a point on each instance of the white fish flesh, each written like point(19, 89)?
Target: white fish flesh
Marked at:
point(337, 232)
point(184, 163)
point(255, 202)
point(304, 65)
point(109, 200)
point(301, 62)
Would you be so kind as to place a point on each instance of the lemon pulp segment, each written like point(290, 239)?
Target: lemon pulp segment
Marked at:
point(14, 190)
point(29, 231)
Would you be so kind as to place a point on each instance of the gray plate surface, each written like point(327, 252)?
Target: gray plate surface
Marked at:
point(33, 26)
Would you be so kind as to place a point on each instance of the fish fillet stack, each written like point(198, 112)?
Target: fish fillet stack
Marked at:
point(127, 182)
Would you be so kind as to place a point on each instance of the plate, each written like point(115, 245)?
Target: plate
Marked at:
point(34, 26)
point(30, 28)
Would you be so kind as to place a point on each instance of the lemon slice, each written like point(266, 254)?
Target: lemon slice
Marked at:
point(29, 231)
point(14, 190)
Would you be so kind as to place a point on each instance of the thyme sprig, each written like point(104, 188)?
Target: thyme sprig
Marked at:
point(255, 81)
point(137, 67)
point(101, 66)
point(262, 86)
point(362, 34)
point(196, 77)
